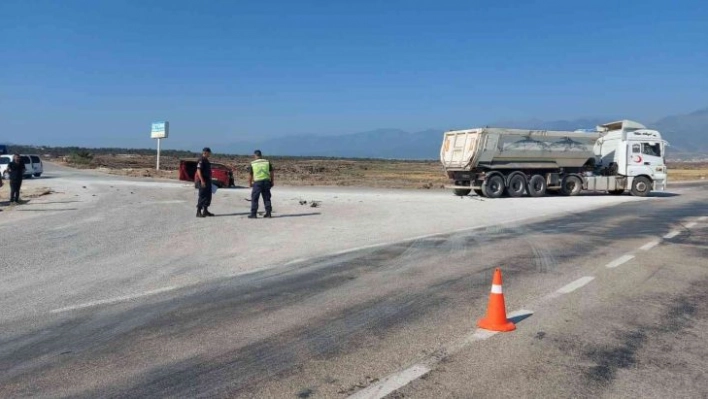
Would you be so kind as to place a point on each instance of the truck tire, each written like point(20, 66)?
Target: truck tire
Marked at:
point(616, 192)
point(571, 186)
point(37, 174)
point(516, 186)
point(641, 186)
point(479, 192)
point(537, 186)
point(494, 186)
point(461, 192)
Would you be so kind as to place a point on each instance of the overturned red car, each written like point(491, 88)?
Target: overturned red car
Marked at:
point(221, 175)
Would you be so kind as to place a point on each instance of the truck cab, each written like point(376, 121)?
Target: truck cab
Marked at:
point(630, 149)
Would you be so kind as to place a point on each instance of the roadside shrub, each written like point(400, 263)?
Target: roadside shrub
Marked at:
point(81, 157)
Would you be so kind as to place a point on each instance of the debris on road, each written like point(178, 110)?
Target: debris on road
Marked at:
point(40, 192)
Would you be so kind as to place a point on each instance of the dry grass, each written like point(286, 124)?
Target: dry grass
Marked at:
point(683, 171)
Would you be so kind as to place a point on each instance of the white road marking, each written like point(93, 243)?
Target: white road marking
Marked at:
point(392, 383)
point(649, 245)
point(113, 300)
point(579, 283)
point(702, 218)
point(619, 261)
point(672, 234)
point(398, 380)
point(691, 225)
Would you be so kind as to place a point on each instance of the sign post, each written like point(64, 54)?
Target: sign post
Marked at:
point(159, 131)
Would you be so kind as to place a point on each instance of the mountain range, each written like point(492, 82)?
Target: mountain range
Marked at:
point(687, 134)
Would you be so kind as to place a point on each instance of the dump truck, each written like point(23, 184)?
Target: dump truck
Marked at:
point(615, 157)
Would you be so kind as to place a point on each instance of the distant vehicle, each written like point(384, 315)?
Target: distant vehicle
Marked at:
point(29, 170)
point(616, 157)
point(6, 159)
point(37, 165)
point(221, 175)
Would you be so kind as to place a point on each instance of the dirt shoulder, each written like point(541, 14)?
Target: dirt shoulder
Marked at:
point(325, 172)
point(289, 171)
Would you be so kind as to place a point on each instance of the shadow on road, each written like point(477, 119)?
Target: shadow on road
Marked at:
point(519, 318)
point(55, 202)
point(47, 210)
point(297, 215)
point(233, 214)
point(663, 195)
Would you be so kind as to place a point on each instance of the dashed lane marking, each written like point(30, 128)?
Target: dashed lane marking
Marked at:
point(691, 225)
point(672, 234)
point(649, 245)
point(392, 383)
point(398, 380)
point(579, 283)
point(113, 300)
point(702, 218)
point(619, 261)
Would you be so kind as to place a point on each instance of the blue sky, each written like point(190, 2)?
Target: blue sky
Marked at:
point(98, 73)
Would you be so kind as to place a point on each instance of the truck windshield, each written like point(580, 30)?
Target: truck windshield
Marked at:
point(653, 149)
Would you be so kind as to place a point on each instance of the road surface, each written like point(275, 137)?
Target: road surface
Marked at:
point(115, 289)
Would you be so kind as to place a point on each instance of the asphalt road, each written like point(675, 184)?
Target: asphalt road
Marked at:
point(113, 289)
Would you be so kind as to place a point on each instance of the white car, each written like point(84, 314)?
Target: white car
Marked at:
point(37, 166)
point(29, 169)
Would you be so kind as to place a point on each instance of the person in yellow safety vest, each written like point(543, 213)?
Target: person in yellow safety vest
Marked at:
point(262, 179)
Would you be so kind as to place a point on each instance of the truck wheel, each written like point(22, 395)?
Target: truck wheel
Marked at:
point(571, 186)
point(537, 186)
point(641, 186)
point(616, 192)
point(494, 186)
point(517, 185)
point(479, 192)
point(461, 192)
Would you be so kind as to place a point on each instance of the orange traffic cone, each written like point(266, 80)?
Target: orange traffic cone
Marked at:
point(496, 312)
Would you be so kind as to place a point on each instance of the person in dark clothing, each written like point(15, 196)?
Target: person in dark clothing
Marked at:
point(261, 178)
point(16, 169)
point(204, 184)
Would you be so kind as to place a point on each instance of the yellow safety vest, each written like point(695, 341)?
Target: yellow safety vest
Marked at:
point(260, 169)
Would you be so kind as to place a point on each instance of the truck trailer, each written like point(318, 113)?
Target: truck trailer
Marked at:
point(614, 157)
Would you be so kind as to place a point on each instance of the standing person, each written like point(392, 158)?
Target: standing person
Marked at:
point(261, 178)
point(204, 183)
point(16, 168)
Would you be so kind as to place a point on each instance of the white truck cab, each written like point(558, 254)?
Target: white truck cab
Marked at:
point(629, 149)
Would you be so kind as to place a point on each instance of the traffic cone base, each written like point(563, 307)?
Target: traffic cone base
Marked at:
point(496, 311)
point(505, 327)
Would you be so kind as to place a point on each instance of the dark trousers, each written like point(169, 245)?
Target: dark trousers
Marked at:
point(204, 196)
point(260, 187)
point(15, 190)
